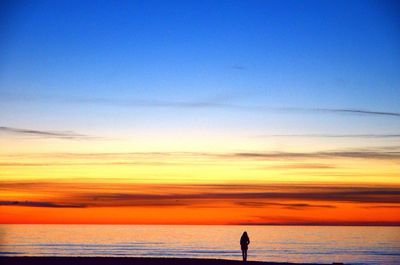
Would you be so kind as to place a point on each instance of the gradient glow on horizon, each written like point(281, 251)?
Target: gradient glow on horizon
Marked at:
point(211, 112)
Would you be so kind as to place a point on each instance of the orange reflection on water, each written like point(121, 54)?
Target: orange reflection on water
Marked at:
point(301, 244)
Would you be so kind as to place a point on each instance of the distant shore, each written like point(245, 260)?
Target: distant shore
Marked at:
point(130, 261)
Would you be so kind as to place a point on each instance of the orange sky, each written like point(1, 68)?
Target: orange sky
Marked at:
point(200, 188)
point(209, 180)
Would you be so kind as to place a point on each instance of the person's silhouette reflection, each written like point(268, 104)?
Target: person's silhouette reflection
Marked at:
point(244, 245)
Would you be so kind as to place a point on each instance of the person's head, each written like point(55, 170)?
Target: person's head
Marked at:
point(245, 234)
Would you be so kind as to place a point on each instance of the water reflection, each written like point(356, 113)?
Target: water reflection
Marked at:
point(354, 245)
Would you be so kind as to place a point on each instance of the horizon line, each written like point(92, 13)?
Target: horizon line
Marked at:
point(389, 224)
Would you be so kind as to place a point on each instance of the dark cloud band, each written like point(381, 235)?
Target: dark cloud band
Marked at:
point(283, 196)
point(46, 134)
point(40, 204)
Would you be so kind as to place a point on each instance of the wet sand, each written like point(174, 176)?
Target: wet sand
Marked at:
point(129, 261)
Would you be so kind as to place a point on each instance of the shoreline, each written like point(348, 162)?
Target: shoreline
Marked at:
point(52, 260)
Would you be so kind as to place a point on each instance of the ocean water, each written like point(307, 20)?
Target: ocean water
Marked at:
point(324, 244)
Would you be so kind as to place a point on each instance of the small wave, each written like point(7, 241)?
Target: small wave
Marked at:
point(212, 251)
point(10, 253)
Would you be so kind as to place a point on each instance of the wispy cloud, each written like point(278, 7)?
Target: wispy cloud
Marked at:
point(285, 220)
point(322, 154)
point(99, 163)
point(210, 104)
point(333, 135)
point(47, 134)
point(382, 207)
point(363, 112)
point(223, 105)
point(239, 67)
point(300, 166)
point(291, 206)
point(199, 104)
point(290, 155)
point(391, 154)
point(40, 204)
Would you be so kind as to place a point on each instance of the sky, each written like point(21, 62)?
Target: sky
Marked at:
point(200, 112)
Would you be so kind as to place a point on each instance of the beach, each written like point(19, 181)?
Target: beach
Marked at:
point(130, 261)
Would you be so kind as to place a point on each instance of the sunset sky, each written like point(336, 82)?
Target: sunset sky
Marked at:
point(200, 112)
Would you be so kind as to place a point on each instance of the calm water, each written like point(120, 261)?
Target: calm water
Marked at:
point(353, 245)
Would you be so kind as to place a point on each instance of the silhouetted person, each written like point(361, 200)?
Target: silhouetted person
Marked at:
point(244, 245)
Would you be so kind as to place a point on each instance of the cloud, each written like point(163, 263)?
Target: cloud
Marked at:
point(294, 197)
point(292, 206)
point(110, 163)
point(334, 135)
point(363, 112)
point(382, 207)
point(323, 154)
point(301, 166)
point(216, 104)
point(289, 161)
point(239, 67)
point(160, 158)
point(285, 220)
point(40, 204)
point(185, 104)
point(46, 134)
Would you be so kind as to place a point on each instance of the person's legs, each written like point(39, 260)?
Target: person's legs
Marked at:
point(243, 254)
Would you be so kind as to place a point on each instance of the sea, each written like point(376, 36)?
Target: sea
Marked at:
point(301, 244)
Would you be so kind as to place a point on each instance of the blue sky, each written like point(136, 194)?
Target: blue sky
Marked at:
point(81, 65)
